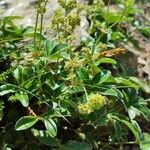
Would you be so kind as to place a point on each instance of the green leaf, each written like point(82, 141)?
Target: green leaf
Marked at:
point(54, 57)
point(133, 112)
point(144, 110)
point(109, 90)
point(57, 48)
point(49, 45)
point(87, 41)
point(74, 145)
point(19, 74)
point(112, 92)
point(102, 120)
point(145, 142)
point(101, 76)
point(83, 74)
point(105, 74)
point(117, 131)
point(23, 98)
point(1, 109)
point(113, 17)
point(106, 61)
point(30, 85)
point(145, 31)
point(6, 92)
point(132, 126)
point(127, 82)
point(25, 122)
point(68, 103)
point(38, 35)
point(51, 127)
point(96, 78)
point(44, 137)
point(143, 85)
point(116, 36)
point(13, 17)
point(6, 89)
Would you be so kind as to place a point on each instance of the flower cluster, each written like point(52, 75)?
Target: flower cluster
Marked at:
point(68, 4)
point(65, 19)
point(95, 102)
point(71, 67)
point(102, 46)
point(73, 20)
point(57, 18)
point(41, 7)
point(72, 79)
point(84, 109)
point(74, 64)
point(129, 3)
point(86, 51)
point(96, 5)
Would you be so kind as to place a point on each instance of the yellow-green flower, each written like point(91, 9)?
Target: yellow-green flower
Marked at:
point(84, 109)
point(57, 18)
point(68, 4)
point(74, 19)
point(72, 79)
point(129, 3)
point(86, 51)
point(96, 101)
point(73, 64)
point(102, 46)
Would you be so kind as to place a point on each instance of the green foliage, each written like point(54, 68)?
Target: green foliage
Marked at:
point(73, 145)
point(10, 35)
point(145, 142)
point(65, 19)
point(25, 122)
point(1, 109)
point(51, 127)
point(56, 90)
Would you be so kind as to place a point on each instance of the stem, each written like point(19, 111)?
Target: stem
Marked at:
point(30, 111)
point(41, 29)
point(41, 23)
point(39, 79)
point(107, 12)
point(121, 143)
point(119, 20)
point(58, 33)
point(35, 30)
point(34, 78)
point(22, 89)
point(66, 20)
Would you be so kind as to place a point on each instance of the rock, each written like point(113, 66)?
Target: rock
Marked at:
point(33, 2)
point(4, 5)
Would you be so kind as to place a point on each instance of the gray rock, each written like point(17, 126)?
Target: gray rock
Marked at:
point(33, 2)
point(4, 5)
